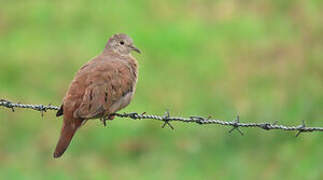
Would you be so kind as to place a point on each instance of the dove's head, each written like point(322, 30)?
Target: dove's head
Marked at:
point(121, 44)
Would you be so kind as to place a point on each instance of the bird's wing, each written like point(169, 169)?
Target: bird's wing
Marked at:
point(108, 83)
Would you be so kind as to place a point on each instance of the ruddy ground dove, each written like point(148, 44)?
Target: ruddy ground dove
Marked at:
point(102, 86)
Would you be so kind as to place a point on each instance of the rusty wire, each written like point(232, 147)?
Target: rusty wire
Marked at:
point(235, 124)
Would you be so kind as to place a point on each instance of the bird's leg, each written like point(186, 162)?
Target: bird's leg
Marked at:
point(105, 118)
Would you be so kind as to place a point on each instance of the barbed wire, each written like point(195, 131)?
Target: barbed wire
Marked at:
point(235, 124)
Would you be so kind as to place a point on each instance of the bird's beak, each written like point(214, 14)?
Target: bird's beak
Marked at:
point(135, 49)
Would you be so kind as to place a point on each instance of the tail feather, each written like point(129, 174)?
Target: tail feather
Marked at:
point(67, 133)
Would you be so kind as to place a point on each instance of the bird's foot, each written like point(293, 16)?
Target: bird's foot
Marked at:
point(111, 117)
point(133, 115)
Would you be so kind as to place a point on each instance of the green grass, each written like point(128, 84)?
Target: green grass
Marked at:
point(261, 59)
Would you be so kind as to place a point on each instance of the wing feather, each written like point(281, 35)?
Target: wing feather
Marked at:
point(108, 86)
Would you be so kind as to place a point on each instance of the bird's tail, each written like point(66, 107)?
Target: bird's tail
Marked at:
point(67, 133)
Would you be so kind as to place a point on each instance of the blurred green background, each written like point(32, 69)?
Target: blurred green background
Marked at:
point(261, 59)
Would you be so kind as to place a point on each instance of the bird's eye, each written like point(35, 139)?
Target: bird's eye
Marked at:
point(122, 42)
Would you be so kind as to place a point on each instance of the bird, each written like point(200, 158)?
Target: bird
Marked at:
point(101, 87)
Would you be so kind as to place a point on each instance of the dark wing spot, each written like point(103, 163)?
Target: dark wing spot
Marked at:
point(60, 111)
point(126, 92)
point(84, 66)
point(113, 88)
point(91, 96)
point(106, 97)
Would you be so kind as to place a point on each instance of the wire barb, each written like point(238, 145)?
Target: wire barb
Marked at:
point(236, 124)
point(166, 120)
point(301, 128)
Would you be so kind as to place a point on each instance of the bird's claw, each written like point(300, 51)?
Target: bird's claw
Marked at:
point(166, 120)
point(133, 115)
point(236, 126)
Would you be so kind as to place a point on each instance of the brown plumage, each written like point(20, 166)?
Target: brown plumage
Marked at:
point(102, 86)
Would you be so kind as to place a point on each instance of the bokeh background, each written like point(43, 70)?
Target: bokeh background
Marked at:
point(260, 59)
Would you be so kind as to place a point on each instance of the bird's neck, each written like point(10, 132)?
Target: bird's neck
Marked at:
point(127, 57)
point(108, 51)
point(114, 52)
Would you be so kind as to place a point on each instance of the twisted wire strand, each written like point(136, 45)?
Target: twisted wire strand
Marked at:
point(236, 124)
